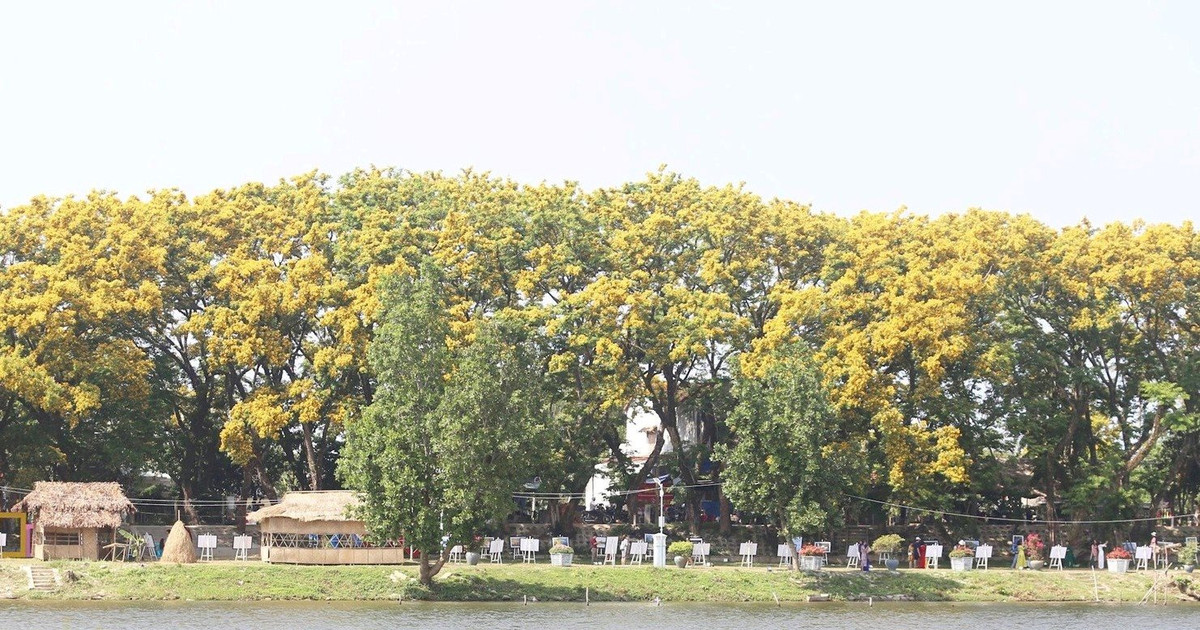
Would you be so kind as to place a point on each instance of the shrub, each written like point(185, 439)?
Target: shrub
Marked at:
point(680, 548)
point(1187, 554)
point(560, 548)
point(812, 550)
point(962, 551)
point(1118, 554)
point(889, 543)
point(1034, 547)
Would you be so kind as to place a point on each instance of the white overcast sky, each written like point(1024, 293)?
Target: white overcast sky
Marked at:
point(1059, 109)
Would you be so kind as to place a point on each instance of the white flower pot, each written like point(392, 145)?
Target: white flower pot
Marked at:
point(962, 564)
point(561, 559)
point(1117, 565)
point(810, 563)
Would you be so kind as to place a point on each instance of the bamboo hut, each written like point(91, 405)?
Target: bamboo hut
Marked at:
point(317, 528)
point(74, 520)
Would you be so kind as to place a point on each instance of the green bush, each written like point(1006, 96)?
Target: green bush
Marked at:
point(680, 548)
point(889, 543)
point(1187, 554)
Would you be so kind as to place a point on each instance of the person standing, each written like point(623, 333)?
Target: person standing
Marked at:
point(1015, 549)
point(914, 555)
point(864, 555)
point(1095, 552)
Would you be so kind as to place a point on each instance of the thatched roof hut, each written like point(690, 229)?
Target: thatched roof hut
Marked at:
point(319, 528)
point(307, 507)
point(74, 520)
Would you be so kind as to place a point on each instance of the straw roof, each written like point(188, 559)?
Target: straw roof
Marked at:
point(76, 505)
point(323, 505)
point(179, 547)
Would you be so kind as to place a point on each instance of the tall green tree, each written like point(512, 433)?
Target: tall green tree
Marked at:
point(788, 460)
point(454, 427)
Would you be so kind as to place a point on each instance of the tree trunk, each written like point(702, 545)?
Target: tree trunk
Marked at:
point(631, 500)
point(190, 515)
point(310, 457)
point(427, 569)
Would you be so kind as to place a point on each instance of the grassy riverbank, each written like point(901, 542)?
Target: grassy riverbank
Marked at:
point(226, 581)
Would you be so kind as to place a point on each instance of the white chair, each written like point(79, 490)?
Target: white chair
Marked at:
point(786, 555)
point(206, 543)
point(700, 553)
point(241, 547)
point(496, 551)
point(612, 546)
point(456, 554)
point(983, 553)
point(1143, 556)
point(748, 550)
point(853, 559)
point(637, 552)
point(1058, 553)
point(933, 553)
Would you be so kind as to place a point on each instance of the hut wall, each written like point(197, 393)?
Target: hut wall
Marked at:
point(47, 544)
point(358, 555)
point(302, 551)
point(284, 525)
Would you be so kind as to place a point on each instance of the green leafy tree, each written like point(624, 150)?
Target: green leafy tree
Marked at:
point(454, 427)
point(787, 460)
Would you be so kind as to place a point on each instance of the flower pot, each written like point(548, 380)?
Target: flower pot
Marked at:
point(681, 561)
point(965, 563)
point(1037, 565)
point(1189, 567)
point(472, 558)
point(1118, 565)
point(891, 564)
point(810, 563)
point(561, 559)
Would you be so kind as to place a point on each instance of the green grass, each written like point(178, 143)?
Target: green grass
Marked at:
point(229, 581)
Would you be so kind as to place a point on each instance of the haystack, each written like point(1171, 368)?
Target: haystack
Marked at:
point(179, 547)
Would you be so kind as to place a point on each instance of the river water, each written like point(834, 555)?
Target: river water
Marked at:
point(543, 616)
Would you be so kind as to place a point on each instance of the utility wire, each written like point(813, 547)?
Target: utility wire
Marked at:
point(1001, 518)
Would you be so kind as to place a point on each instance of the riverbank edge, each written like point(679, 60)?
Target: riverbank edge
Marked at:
point(231, 581)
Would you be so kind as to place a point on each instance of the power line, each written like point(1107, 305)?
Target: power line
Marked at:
point(1001, 518)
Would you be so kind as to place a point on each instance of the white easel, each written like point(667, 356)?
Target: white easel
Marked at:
point(241, 547)
point(206, 543)
point(748, 550)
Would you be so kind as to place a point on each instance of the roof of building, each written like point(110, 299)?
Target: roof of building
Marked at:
point(322, 505)
point(77, 505)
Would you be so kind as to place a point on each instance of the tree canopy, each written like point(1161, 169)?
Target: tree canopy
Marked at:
point(233, 340)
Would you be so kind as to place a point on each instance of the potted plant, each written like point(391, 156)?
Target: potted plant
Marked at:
point(887, 546)
point(561, 555)
point(682, 550)
point(811, 557)
point(1034, 548)
point(1187, 556)
point(1118, 560)
point(962, 558)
